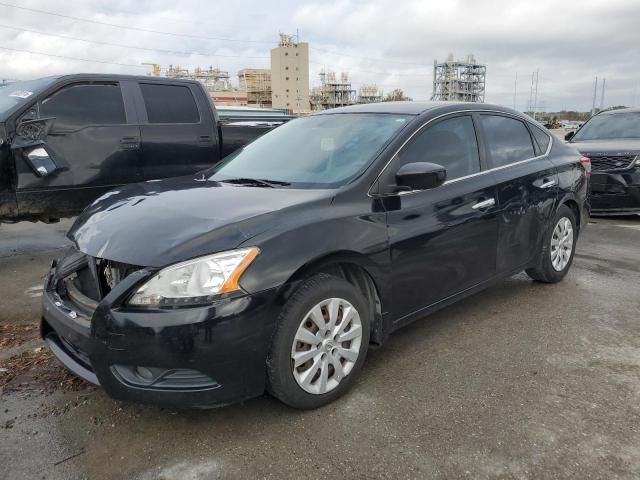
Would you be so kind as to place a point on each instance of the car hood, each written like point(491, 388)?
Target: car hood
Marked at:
point(624, 146)
point(161, 222)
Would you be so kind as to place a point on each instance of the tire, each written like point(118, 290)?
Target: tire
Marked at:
point(546, 271)
point(316, 298)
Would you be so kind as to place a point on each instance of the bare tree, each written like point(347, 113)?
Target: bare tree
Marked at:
point(396, 95)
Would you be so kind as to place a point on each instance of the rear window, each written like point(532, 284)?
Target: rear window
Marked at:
point(542, 138)
point(169, 104)
point(508, 139)
point(84, 104)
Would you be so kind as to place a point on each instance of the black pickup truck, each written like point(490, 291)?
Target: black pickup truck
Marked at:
point(64, 141)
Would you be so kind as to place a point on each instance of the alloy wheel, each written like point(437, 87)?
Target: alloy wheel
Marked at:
point(561, 244)
point(326, 345)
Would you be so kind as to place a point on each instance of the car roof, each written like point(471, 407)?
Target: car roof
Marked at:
point(412, 108)
point(620, 110)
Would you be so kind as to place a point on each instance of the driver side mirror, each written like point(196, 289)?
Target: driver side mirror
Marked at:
point(40, 161)
point(420, 176)
point(36, 154)
point(569, 136)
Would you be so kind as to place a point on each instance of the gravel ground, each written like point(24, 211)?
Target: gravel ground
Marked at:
point(521, 381)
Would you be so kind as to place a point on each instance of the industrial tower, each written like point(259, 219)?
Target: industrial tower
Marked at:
point(459, 81)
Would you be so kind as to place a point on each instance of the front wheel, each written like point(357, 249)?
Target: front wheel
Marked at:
point(558, 248)
point(320, 342)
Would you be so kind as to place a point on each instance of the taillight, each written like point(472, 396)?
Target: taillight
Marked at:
point(586, 162)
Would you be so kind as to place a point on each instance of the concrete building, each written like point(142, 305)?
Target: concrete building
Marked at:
point(257, 83)
point(290, 75)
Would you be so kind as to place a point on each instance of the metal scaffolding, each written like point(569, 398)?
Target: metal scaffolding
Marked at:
point(459, 81)
point(332, 92)
point(369, 93)
point(213, 79)
point(257, 83)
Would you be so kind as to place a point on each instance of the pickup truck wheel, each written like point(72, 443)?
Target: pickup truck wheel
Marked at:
point(320, 343)
point(558, 248)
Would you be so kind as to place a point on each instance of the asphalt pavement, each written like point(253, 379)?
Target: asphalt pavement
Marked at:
point(523, 380)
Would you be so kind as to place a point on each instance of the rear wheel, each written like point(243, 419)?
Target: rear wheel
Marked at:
point(320, 343)
point(558, 248)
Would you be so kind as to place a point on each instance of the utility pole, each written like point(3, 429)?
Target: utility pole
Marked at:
point(535, 99)
point(533, 94)
point(515, 91)
point(595, 92)
point(604, 80)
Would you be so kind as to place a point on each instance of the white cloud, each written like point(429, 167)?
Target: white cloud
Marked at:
point(570, 42)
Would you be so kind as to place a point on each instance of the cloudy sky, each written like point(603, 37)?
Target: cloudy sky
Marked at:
point(391, 43)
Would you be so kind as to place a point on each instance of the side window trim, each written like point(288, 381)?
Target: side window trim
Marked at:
point(56, 90)
point(539, 150)
point(373, 188)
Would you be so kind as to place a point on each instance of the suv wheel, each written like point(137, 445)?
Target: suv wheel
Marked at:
point(558, 248)
point(320, 342)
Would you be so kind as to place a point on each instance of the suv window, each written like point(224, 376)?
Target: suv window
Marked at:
point(508, 139)
point(542, 138)
point(169, 103)
point(451, 143)
point(85, 104)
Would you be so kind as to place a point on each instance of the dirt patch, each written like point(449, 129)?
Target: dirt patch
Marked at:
point(37, 369)
point(14, 335)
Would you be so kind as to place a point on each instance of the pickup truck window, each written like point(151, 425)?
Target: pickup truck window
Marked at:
point(169, 103)
point(84, 104)
point(319, 151)
point(14, 95)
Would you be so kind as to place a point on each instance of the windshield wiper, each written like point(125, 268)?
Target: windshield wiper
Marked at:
point(255, 182)
point(275, 182)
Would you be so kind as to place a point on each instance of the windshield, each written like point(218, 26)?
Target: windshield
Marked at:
point(320, 151)
point(16, 94)
point(616, 125)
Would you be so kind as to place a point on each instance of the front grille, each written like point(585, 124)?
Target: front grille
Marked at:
point(86, 280)
point(607, 163)
point(111, 273)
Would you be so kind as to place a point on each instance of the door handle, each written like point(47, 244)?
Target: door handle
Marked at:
point(130, 142)
point(484, 204)
point(548, 184)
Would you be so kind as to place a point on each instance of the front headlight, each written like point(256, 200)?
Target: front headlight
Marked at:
point(196, 281)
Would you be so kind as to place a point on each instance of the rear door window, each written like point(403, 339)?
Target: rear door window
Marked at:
point(84, 104)
point(508, 139)
point(169, 103)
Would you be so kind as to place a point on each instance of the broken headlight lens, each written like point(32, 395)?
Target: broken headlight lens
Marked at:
point(195, 282)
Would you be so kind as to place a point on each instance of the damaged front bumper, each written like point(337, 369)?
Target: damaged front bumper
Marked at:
point(191, 357)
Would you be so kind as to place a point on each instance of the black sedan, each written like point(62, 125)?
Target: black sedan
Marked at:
point(276, 269)
point(611, 140)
